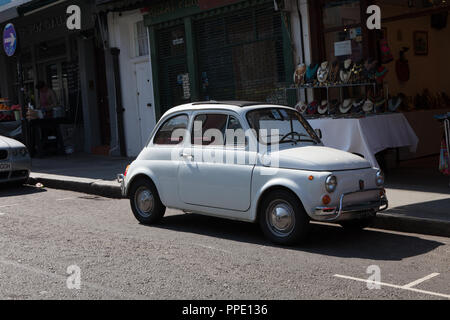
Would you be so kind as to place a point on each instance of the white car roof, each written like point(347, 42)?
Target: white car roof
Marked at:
point(239, 107)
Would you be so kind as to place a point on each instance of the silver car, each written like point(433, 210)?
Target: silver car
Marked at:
point(15, 161)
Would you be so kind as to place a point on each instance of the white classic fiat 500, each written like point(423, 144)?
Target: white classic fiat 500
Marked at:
point(253, 162)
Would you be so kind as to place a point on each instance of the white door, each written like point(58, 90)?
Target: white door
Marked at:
point(145, 100)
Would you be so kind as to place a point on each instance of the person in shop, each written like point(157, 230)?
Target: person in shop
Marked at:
point(47, 98)
point(45, 134)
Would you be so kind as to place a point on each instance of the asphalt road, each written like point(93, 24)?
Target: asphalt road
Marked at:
point(188, 256)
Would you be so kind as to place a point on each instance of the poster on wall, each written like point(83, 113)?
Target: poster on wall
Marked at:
point(343, 48)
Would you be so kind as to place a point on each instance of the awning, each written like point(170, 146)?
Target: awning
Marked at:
point(116, 5)
point(8, 14)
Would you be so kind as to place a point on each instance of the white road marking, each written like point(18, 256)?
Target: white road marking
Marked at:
point(95, 286)
point(213, 248)
point(414, 283)
point(2, 213)
point(395, 286)
point(9, 205)
point(63, 199)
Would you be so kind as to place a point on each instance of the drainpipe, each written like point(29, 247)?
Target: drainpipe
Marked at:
point(119, 107)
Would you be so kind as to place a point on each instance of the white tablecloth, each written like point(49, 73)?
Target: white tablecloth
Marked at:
point(367, 136)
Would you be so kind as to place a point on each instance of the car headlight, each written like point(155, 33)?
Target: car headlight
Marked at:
point(331, 184)
point(379, 178)
point(23, 151)
point(19, 152)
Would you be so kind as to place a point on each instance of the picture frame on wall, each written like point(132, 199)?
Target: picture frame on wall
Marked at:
point(421, 43)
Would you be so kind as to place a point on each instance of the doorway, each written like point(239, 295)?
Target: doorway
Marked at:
point(145, 101)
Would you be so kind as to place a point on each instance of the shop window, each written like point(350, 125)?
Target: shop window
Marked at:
point(341, 13)
point(140, 39)
point(343, 31)
point(170, 132)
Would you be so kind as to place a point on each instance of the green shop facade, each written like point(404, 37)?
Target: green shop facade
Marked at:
point(219, 50)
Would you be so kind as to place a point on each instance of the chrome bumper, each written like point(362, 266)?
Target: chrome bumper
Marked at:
point(121, 180)
point(352, 211)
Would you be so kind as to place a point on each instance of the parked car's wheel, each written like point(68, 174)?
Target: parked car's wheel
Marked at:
point(145, 202)
point(357, 224)
point(283, 219)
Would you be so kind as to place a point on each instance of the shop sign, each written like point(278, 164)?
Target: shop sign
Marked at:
point(9, 39)
point(45, 25)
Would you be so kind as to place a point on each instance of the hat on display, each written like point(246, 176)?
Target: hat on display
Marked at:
point(386, 55)
point(346, 105)
point(380, 103)
point(368, 106)
point(334, 72)
point(394, 103)
point(323, 72)
point(370, 68)
point(334, 106)
point(311, 72)
point(381, 74)
point(299, 74)
point(323, 108)
point(346, 71)
point(357, 105)
point(312, 108)
point(357, 70)
point(301, 107)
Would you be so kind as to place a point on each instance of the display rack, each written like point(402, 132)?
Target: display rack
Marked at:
point(340, 86)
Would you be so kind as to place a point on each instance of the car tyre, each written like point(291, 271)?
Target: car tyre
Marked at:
point(283, 219)
point(145, 202)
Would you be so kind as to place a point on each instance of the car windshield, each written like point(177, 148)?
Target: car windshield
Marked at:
point(279, 125)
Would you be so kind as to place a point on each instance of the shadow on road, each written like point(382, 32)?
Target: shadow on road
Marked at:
point(436, 209)
point(324, 239)
point(7, 190)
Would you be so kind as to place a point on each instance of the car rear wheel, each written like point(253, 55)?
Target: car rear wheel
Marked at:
point(145, 202)
point(283, 219)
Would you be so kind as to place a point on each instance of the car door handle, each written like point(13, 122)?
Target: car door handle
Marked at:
point(187, 156)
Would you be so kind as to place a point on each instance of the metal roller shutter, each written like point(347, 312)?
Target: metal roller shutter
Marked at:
point(174, 77)
point(240, 54)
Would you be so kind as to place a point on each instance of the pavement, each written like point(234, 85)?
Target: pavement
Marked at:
point(58, 244)
point(419, 196)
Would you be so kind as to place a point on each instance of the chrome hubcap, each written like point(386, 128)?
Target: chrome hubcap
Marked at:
point(280, 218)
point(144, 201)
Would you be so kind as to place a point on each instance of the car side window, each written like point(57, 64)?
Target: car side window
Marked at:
point(209, 129)
point(235, 135)
point(173, 131)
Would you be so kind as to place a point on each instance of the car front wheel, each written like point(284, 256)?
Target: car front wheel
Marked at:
point(145, 202)
point(283, 219)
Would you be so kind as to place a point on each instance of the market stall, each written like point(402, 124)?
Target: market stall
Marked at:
point(10, 123)
point(370, 90)
point(367, 136)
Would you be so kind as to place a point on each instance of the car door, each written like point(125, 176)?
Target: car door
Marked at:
point(215, 173)
point(162, 155)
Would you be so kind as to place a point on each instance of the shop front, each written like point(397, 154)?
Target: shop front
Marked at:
point(57, 77)
point(375, 90)
point(219, 50)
